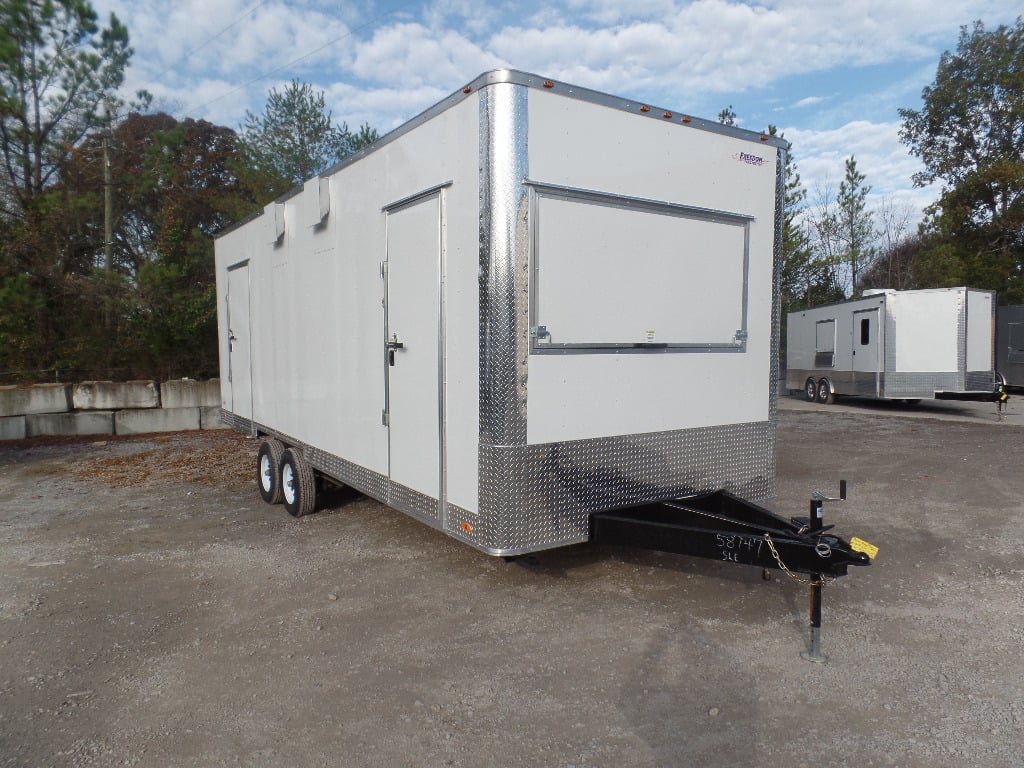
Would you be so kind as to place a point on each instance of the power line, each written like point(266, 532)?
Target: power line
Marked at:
point(200, 47)
point(305, 56)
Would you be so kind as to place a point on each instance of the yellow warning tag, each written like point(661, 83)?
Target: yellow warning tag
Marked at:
point(859, 545)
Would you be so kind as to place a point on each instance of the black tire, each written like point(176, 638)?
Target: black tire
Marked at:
point(268, 470)
point(811, 390)
point(298, 484)
point(825, 396)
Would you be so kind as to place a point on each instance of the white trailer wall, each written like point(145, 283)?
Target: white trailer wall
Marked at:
point(981, 330)
point(671, 276)
point(923, 331)
point(317, 301)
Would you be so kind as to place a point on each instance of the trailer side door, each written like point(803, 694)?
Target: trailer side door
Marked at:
point(866, 358)
point(412, 344)
point(239, 345)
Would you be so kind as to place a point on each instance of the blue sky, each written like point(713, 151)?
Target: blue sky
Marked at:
point(831, 75)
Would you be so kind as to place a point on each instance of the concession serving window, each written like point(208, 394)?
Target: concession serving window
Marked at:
point(613, 273)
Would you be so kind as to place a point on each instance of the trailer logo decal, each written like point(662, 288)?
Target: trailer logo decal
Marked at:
point(749, 159)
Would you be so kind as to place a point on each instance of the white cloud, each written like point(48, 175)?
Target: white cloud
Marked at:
point(885, 162)
point(377, 106)
point(809, 101)
point(413, 55)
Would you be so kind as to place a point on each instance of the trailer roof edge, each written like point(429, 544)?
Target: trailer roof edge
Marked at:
point(529, 80)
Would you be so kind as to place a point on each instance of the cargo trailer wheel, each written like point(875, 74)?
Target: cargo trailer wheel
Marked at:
point(268, 470)
point(825, 396)
point(811, 390)
point(298, 484)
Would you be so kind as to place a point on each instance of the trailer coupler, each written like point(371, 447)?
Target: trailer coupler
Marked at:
point(726, 528)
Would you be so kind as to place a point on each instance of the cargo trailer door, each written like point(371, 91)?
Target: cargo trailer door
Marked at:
point(867, 338)
point(239, 346)
point(412, 344)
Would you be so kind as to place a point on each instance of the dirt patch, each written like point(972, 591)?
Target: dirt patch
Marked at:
point(208, 458)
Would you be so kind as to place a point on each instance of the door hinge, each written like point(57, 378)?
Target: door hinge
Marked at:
point(384, 418)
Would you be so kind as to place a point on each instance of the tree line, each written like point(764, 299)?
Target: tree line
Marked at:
point(108, 209)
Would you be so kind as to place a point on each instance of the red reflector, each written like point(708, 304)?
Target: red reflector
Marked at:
point(466, 527)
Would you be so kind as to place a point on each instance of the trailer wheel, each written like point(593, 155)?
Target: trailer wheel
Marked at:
point(268, 470)
point(825, 396)
point(298, 484)
point(811, 389)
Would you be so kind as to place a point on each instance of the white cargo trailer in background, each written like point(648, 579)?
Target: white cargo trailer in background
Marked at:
point(530, 303)
point(909, 345)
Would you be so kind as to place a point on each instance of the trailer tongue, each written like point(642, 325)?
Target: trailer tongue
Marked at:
point(724, 527)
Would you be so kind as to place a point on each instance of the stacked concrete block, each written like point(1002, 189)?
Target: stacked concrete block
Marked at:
point(35, 398)
point(115, 395)
point(209, 418)
point(189, 393)
point(12, 428)
point(109, 407)
point(80, 423)
point(137, 421)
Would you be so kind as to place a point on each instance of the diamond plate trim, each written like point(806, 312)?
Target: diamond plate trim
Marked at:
point(366, 481)
point(979, 380)
point(504, 310)
point(540, 496)
point(961, 332)
point(777, 258)
point(237, 422)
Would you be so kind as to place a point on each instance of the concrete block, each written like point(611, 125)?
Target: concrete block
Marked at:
point(21, 400)
point(12, 428)
point(90, 423)
point(209, 418)
point(114, 395)
point(140, 421)
point(188, 393)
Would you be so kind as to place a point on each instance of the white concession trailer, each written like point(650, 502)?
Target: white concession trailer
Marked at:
point(888, 344)
point(530, 304)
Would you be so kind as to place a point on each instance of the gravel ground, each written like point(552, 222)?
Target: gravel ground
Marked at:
point(155, 612)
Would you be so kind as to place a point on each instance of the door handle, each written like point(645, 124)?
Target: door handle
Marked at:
point(391, 345)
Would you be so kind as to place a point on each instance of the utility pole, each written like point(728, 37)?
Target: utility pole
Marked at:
point(108, 222)
point(108, 198)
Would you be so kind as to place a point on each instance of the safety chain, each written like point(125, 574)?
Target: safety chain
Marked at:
point(806, 582)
